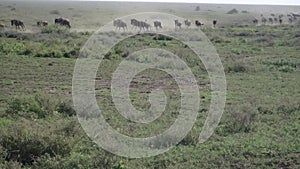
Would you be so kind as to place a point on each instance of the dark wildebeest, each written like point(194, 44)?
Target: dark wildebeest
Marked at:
point(140, 24)
point(198, 23)
point(42, 23)
point(18, 23)
point(280, 16)
point(157, 24)
point(271, 20)
point(120, 24)
point(187, 23)
point(63, 21)
point(255, 21)
point(214, 23)
point(177, 24)
point(145, 25)
point(280, 21)
point(66, 22)
point(263, 20)
point(135, 24)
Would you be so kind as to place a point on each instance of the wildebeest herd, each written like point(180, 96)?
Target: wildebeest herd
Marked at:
point(273, 19)
point(145, 26)
point(19, 24)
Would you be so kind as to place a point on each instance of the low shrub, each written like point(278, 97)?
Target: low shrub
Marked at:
point(237, 67)
point(49, 53)
point(233, 11)
point(66, 109)
point(218, 39)
point(54, 29)
point(282, 65)
point(239, 118)
point(38, 106)
point(25, 141)
point(55, 12)
point(8, 47)
point(264, 40)
point(288, 106)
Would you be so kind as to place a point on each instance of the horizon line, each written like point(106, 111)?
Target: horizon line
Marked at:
point(217, 2)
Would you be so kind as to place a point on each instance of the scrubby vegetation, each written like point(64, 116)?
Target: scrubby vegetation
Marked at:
point(259, 127)
point(54, 41)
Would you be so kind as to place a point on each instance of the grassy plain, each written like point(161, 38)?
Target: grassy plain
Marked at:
point(259, 127)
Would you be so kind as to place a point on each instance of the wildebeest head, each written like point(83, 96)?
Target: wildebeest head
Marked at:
point(214, 22)
point(12, 22)
point(58, 20)
point(198, 23)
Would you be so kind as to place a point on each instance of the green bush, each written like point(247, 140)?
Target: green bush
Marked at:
point(66, 109)
point(264, 41)
point(233, 11)
point(49, 53)
point(54, 29)
point(9, 47)
point(240, 118)
point(11, 165)
point(38, 106)
point(282, 65)
point(237, 68)
point(24, 141)
point(3, 155)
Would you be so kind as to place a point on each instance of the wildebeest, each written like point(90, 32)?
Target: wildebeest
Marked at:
point(2, 25)
point(42, 23)
point(135, 23)
point(63, 21)
point(263, 20)
point(198, 23)
point(177, 24)
point(187, 23)
point(157, 24)
point(145, 25)
point(120, 24)
point(255, 21)
point(18, 23)
point(280, 16)
point(271, 20)
point(214, 23)
point(280, 21)
point(295, 14)
point(140, 24)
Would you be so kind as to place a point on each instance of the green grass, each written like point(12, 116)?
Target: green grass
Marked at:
point(259, 127)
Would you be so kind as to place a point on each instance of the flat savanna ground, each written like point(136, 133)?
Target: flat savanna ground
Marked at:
point(260, 124)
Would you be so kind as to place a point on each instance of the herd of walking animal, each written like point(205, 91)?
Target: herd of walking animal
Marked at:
point(273, 19)
point(143, 25)
point(19, 24)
